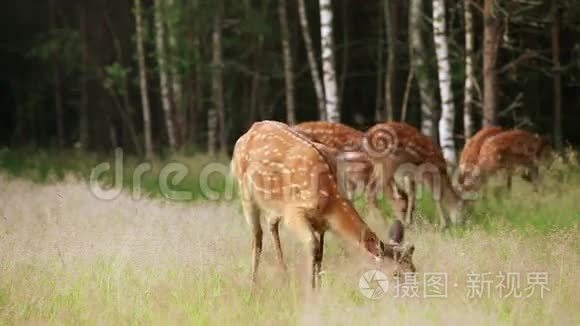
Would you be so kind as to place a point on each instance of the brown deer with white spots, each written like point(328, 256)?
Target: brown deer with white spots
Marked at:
point(470, 153)
point(284, 177)
point(396, 148)
point(509, 151)
point(354, 168)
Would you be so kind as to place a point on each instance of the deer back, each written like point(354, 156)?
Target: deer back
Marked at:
point(331, 134)
point(345, 143)
point(276, 166)
point(470, 153)
point(401, 142)
point(510, 148)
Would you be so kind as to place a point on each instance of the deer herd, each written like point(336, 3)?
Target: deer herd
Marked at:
point(306, 176)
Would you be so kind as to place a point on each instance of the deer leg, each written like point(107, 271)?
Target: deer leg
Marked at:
point(314, 245)
point(275, 233)
point(252, 215)
point(371, 195)
point(441, 213)
point(296, 222)
point(350, 190)
point(318, 258)
point(399, 201)
point(534, 177)
point(410, 189)
point(508, 176)
point(374, 187)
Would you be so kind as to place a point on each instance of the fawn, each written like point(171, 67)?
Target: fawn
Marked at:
point(470, 155)
point(397, 148)
point(507, 150)
point(284, 177)
point(354, 168)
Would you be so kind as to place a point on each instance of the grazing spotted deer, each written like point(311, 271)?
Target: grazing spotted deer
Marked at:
point(284, 177)
point(332, 134)
point(397, 148)
point(354, 169)
point(508, 150)
point(470, 153)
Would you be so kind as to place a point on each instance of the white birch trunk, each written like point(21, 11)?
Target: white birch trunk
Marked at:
point(288, 70)
point(419, 55)
point(312, 63)
point(143, 79)
point(447, 119)
point(469, 73)
point(328, 71)
point(163, 78)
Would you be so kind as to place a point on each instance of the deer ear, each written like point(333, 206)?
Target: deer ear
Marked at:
point(397, 252)
point(397, 232)
point(411, 250)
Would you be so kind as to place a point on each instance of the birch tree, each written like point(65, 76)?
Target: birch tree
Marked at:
point(312, 63)
point(447, 119)
point(288, 70)
point(419, 61)
point(163, 75)
point(139, 39)
point(469, 73)
point(328, 70)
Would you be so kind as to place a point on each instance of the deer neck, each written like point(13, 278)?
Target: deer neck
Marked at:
point(451, 198)
point(344, 221)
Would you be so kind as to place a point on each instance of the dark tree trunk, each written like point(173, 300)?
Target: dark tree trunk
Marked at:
point(57, 82)
point(392, 23)
point(491, 40)
point(84, 97)
point(557, 75)
point(57, 93)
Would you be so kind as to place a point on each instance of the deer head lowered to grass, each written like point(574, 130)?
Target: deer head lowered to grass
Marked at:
point(398, 147)
point(507, 150)
point(284, 177)
point(470, 155)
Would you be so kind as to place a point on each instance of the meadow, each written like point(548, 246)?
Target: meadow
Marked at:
point(67, 257)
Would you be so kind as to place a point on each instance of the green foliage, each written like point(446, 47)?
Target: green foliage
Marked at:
point(116, 76)
point(49, 166)
point(60, 44)
point(556, 205)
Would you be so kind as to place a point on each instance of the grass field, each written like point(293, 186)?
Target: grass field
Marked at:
point(67, 257)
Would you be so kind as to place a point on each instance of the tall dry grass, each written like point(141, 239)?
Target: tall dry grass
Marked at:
point(68, 258)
